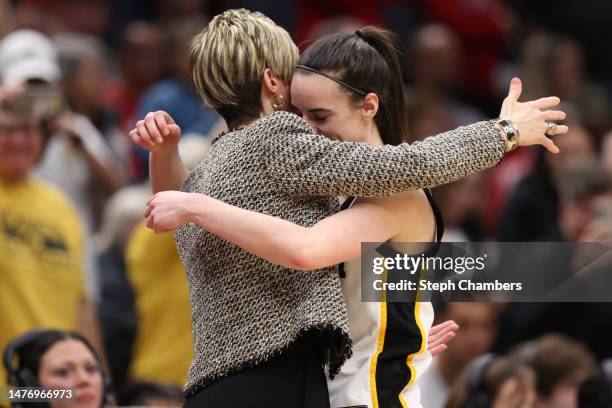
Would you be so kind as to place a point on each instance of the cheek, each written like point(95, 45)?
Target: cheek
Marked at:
point(345, 130)
point(48, 380)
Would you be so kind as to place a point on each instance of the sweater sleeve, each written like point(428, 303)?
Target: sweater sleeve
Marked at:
point(304, 163)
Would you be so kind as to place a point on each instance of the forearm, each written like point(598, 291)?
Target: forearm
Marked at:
point(271, 238)
point(312, 165)
point(166, 170)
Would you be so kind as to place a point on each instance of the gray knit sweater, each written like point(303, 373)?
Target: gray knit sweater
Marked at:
point(245, 309)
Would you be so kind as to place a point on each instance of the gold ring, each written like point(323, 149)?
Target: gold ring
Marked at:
point(552, 129)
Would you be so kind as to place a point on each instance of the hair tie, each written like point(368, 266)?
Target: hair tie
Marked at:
point(360, 35)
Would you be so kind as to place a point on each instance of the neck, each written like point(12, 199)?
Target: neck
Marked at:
point(374, 138)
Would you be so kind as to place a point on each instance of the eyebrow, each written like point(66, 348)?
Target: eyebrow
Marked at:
point(315, 110)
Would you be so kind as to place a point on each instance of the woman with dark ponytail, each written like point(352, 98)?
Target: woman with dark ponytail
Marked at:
point(367, 60)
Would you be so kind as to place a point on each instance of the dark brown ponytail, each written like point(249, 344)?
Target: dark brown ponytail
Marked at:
point(367, 60)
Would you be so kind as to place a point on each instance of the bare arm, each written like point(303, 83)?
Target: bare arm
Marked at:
point(159, 134)
point(330, 241)
point(166, 170)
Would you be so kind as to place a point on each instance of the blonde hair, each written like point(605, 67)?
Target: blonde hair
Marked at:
point(229, 56)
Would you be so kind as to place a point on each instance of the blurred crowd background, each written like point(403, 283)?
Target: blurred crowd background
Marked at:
point(113, 61)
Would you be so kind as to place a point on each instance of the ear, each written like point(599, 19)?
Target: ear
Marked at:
point(270, 83)
point(369, 108)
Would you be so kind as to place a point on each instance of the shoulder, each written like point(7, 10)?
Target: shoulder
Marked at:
point(56, 203)
point(50, 194)
point(411, 211)
point(282, 123)
point(408, 202)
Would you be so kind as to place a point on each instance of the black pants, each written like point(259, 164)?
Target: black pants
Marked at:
point(295, 379)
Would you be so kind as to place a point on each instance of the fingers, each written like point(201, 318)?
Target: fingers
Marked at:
point(167, 117)
point(516, 88)
point(175, 131)
point(154, 226)
point(442, 340)
point(144, 134)
point(152, 126)
point(162, 119)
point(562, 129)
point(549, 144)
point(438, 350)
point(547, 103)
point(440, 327)
point(151, 223)
point(148, 211)
point(553, 116)
point(139, 140)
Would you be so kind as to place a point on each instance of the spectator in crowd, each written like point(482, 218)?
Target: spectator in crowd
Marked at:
point(532, 210)
point(461, 204)
point(582, 185)
point(475, 338)
point(91, 17)
point(312, 12)
point(176, 94)
point(584, 214)
point(435, 61)
point(84, 61)
point(494, 382)
point(59, 360)
point(565, 77)
point(42, 282)
point(76, 158)
point(483, 28)
point(121, 215)
point(157, 278)
point(139, 54)
point(561, 365)
point(84, 74)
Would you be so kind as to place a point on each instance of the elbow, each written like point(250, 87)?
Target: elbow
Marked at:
point(303, 258)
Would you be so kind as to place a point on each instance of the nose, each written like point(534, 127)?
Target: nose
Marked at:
point(84, 377)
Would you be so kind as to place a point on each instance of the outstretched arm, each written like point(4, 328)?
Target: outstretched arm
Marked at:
point(330, 241)
point(305, 164)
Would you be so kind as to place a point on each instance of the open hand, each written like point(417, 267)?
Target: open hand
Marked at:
point(531, 118)
point(440, 335)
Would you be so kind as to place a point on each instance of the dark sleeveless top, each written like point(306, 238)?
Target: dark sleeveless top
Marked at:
point(387, 249)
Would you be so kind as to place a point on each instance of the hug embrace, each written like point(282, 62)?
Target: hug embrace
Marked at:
point(269, 225)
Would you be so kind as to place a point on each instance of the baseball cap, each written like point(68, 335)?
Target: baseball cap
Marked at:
point(27, 55)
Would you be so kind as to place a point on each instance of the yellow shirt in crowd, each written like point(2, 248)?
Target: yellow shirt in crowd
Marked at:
point(41, 261)
point(163, 348)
